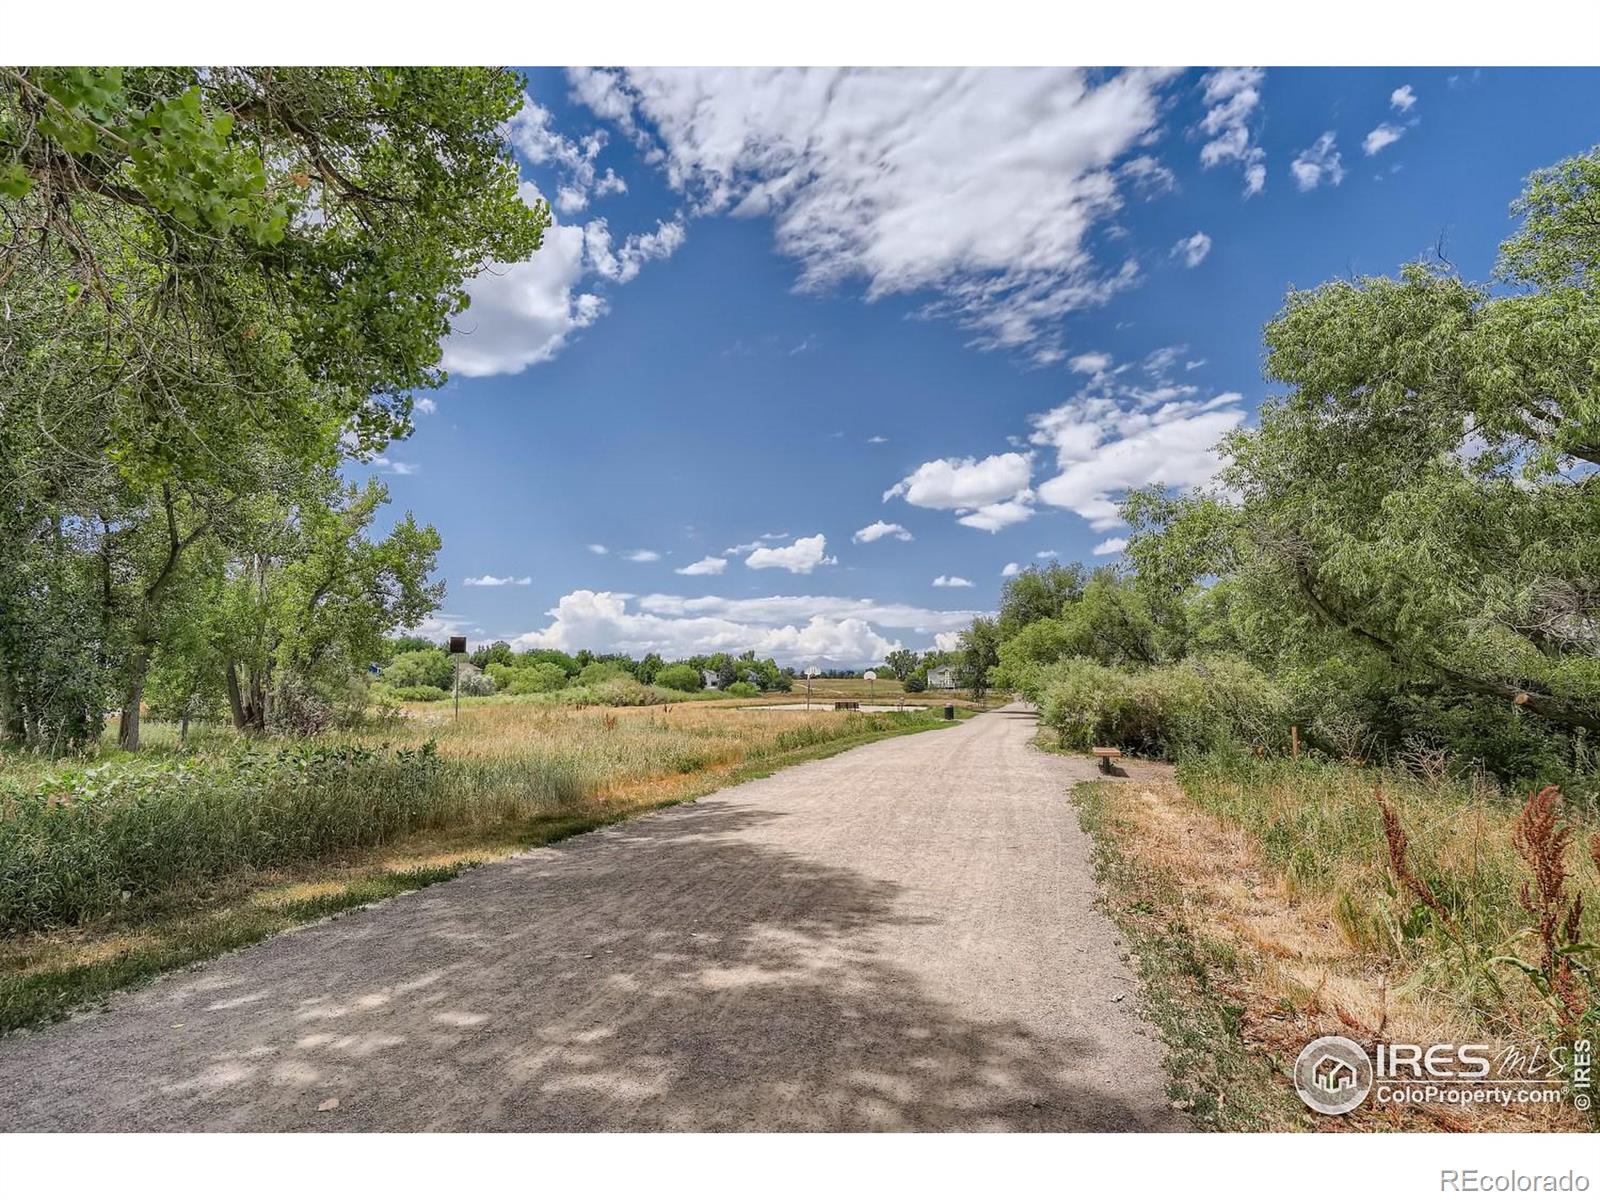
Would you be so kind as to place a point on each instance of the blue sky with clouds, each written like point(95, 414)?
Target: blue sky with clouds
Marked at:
point(810, 358)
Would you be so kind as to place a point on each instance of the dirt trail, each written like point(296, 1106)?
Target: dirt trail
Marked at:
point(901, 937)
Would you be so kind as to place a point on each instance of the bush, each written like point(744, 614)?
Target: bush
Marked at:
point(1195, 707)
point(680, 677)
point(742, 689)
point(419, 693)
point(419, 668)
point(477, 683)
point(598, 672)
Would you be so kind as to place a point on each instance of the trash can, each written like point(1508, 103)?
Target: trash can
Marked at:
point(949, 712)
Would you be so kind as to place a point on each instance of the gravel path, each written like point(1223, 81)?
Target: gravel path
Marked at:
point(901, 937)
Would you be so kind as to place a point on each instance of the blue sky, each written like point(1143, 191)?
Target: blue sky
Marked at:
point(779, 307)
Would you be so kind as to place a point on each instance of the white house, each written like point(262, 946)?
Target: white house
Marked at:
point(942, 678)
point(708, 680)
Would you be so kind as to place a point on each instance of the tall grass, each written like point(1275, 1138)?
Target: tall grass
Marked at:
point(1449, 927)
point(79, 841)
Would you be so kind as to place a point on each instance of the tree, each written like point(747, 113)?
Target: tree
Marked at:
point(1038, 592)
point(980, 653)
point(901, 663)
point(218, 282)
point(679, 677)
point(1414, 501)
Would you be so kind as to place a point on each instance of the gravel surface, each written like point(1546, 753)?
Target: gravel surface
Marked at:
point(901, 937)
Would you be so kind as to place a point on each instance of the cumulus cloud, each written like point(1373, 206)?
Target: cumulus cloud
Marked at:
point(1010, 569)
point(964, 482)
point(952, 581)
point(1233, 96)
point(1111, 546)
point(425, 405)
point(876, 440)
point(794, 629)
point(1192, 249)
point(800, 557)
point(992, 518)
point(1318, 164)
point(390, 466)
point(597, 548)
point(766, 539)
point(1091, 363)
point(496, 581)
point(882, 529)
point(523, 313)
point(1384, 135)
point(1402, 98)
point(643, 556)
point(1128, 432)
point(979, 186)
point(709, 565)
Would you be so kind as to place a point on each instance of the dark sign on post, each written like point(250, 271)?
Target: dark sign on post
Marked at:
point(458, 644)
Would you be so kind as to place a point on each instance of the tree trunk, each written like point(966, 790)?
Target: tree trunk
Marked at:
point(128, 730)
point(235, 701)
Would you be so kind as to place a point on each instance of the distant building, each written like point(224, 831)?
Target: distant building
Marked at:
point(942, 678)
point(708, 680)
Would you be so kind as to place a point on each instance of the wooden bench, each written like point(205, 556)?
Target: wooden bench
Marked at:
point(847, 706)
point(1107, 754)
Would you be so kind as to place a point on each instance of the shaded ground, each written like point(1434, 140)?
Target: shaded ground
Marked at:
point(900, 937)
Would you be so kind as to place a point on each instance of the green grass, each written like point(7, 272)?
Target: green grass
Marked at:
point(46, 975)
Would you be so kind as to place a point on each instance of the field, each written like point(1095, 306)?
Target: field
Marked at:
point(120, 866)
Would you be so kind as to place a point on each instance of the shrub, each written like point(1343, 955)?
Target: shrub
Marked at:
point(1195, 707)
point(477, 683)
point(419, 693)
point(419, 668)
point(743, 690)
point(598, 672)
point(680, 677)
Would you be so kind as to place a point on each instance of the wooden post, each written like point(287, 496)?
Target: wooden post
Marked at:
point(1294, 740)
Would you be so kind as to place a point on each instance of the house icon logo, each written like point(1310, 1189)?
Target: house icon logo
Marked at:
point(1333, 1075)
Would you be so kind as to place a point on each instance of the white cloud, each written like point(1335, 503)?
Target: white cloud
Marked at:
point(709, 565)
point(980, 186)
point(799, 558)
point(623, 264)
point(1317, 164)
point(1148, 176)
point(496, 581)
point(573, 159)
point(597, 548)
point(643, 556)
point(1233, 95)
point(1128, 432)
point(601, 621)
point(770, 610)
point(1383, 135)
point(1402, 98)
point(766, 539)
point(391, 467)
point(952, 581)
point(1047, 554)
point(426, 405)
point(947, 643)
point(1192, 249)
point(876, 440)
point(961, 483)
point(1091, 363)
point(1111, 546)
point(1010, 569)
point(881, 529)
point(523, 313)
point(992, 518)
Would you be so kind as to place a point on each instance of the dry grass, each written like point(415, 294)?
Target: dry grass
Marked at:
point(1287, 878)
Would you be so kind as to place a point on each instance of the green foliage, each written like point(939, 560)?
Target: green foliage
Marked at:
point(420, 691)
point(680, 677)
point(599, 672)
point(901, 663)
point(1174, 712)
point(743, 690)
point(419, 668)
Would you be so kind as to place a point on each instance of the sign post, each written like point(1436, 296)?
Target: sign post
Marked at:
point(872, 685)
point(811, 673)
point(458, 651)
